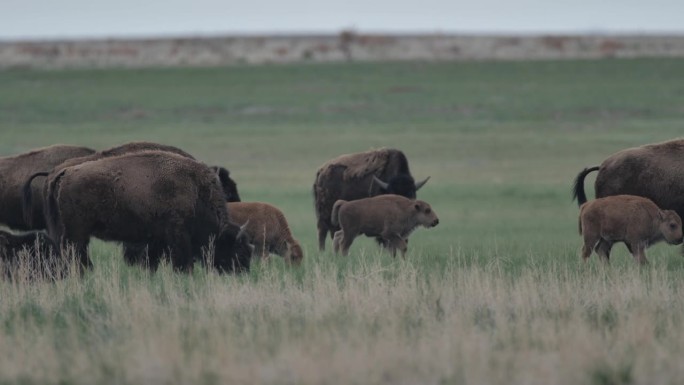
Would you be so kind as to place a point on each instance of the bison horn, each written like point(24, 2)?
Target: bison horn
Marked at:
point(242, 231)
point(421, 183)
point(382, 184)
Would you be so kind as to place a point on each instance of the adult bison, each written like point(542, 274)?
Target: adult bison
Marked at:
point(654, 171)
point(16, 170)
point(169, 202)
point(29, 187)
point(356, 176)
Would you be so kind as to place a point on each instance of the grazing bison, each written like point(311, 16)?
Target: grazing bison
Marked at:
point(15, 170)
point(267, 229)
point(654, 171)
point(29, 256)
point(356, 176)
point(392, 218)
point(11, 244)
point(229, 186)
point(634, 220)
point(163, 200)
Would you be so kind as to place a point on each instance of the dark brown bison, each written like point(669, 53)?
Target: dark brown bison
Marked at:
point(15, 171)
point(654, 171)
point(229, 186)
point(356, 176)
point(390, 217)
point(634, 220)
point(267, 229)
point(169, 202)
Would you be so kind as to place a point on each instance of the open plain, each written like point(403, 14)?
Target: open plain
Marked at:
point(496, 294)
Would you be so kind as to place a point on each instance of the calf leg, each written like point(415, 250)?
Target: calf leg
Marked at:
point(337, 238)
point(603, 250)
point(590, 241)
point(638, 251)
point(345, 242)
point(398, 243)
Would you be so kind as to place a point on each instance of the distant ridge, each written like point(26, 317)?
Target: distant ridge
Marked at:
point(345, 46)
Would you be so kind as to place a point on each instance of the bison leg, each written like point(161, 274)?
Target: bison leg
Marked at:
point(590, 242)
point(638, 251)
point(395, 242)
point(337, 238)
point(139, 254)
point(345, 241)
point(603, 250)
point(322, 234)
point(180, 247)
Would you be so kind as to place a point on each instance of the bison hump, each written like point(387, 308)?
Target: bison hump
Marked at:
point(359, 165)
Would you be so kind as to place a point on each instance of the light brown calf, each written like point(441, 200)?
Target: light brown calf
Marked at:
point(268, 230)
point(392, 218)
point(634, 220)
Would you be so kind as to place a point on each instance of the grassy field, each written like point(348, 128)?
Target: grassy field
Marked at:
point(496, 294)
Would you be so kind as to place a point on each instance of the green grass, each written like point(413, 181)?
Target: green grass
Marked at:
point(495, 294)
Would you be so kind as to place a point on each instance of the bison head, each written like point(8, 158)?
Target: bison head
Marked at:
point(233, 249)
point(671, 226)
point(228, 185)
point(425, 215)
point(402, 184)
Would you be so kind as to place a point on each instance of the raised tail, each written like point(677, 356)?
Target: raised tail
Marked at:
point(27, 198)
point(578, 187)
point(335, 210)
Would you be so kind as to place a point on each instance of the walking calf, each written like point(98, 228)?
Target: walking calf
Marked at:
point(391, 218)
point(634, 220)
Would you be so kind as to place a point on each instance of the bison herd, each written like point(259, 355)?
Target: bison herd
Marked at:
point(161, 203)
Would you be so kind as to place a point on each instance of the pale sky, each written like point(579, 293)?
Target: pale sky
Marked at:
point(147, 18)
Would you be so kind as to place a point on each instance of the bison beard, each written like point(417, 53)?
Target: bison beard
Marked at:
point(159, 199)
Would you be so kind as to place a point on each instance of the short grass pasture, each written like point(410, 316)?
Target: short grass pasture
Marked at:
point(496, 294)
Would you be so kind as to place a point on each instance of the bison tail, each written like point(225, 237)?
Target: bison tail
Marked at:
point(335, 210)
point(27, 198)
point(51, 209)
point(578, 187)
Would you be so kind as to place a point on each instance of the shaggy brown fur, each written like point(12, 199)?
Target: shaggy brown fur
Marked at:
point(634, 220)
point(654, 171)
point(267, 229)
point(15, 170)
point(390, 217)
point(156, 198)
point(229, 186)
point(352, 176)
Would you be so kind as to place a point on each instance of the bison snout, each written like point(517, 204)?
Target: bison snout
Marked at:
point(435, 222)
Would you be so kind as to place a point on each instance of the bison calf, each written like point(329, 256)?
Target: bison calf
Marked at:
point(267, 228)
point(634, 220)
point(391, 218)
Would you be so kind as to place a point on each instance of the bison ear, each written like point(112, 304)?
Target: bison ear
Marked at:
point(421, 183)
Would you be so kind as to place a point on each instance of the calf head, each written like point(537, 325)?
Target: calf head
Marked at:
point(295, 254)
point(424, 214)
point(671, 226)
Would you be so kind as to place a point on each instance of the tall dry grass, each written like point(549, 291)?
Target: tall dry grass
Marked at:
point(371, 321)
